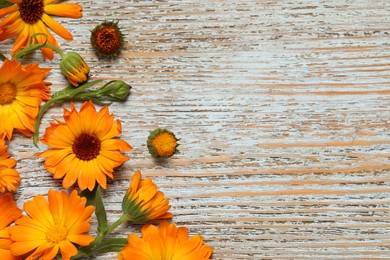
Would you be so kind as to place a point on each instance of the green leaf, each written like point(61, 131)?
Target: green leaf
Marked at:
point(4, 3)
point(100, 212)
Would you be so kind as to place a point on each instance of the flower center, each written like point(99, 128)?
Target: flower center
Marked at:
point(86, 147)
point(56, 233)
point(165, 144)
point(7, 93)
point(108, 39)
point(31, 10)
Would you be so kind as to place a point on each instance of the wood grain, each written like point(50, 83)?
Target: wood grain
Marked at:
point(283, 110)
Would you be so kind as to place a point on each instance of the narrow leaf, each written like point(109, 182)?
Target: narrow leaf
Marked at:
point(100, 211)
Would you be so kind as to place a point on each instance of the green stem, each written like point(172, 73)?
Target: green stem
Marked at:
point(33, 47)
point(98, 244)
point(111, 228)
point(41, 112)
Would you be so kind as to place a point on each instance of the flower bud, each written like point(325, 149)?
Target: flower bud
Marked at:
point(74, 68)
point(143, 201)
point(117, 90)
point(162, 143)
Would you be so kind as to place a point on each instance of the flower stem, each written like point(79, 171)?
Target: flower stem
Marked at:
point(37, 121)
point(33, 47)
point(110, 228)
point(100, 243)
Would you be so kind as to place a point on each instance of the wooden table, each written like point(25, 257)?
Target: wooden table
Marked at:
point(282, 108)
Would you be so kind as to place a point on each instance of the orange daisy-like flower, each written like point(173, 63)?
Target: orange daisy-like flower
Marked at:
point(51, 226)
point(165, 242)
point(22, 89)
point(9, 178)
point(9, 213)
point(84, 147)
point(143, 202)
point(28, 17)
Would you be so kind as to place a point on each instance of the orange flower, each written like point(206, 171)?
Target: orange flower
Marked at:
point(22, 89)
point(28, 17)
point(165, 242)
point(143, 202)
point(52, 225)
point(9, 178)
point(9, 213)
point(84, 147)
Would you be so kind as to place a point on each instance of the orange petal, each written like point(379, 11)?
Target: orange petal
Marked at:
point(56, 27)
point(7, 10)
point(65, 10)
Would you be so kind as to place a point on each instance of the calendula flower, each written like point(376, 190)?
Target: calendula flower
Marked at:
point(22, 89)
point(52, 226)
point(162, 143)
point(74, 68)
point(84, 147)
point(9, 213)
point(165, 242)
point(144, 202)
point(28, 17)
point(9, 178)
point(107, 39)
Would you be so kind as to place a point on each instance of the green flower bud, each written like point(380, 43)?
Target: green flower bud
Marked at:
point(74, 68)
point(116, 90)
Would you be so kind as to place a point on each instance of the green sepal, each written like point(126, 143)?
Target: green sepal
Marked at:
point(2, 57)
point(89, 195)
point(153, 135)
point(5, 3)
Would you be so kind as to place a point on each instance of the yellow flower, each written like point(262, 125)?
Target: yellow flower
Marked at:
point(74, 68)
point(162, 143)
point(144, 202)
point(56, 224)
point(84, 147)
point(9, 178)
point(9, 213)
point(28, 17)
point(22, 89)
point(165, 242)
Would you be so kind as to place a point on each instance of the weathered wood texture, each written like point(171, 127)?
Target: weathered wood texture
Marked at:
point(282, 108)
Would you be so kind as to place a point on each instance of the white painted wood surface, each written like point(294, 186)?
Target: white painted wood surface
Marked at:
point(283, 110)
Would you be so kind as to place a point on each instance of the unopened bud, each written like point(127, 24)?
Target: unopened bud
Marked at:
point(74, 68)
point(117, 90)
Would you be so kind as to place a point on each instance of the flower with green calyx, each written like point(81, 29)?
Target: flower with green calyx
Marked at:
point(72, 65)
point(74, 68)
point(162, 143)
point(115, 90)
point(143, 202)
point(107, 40)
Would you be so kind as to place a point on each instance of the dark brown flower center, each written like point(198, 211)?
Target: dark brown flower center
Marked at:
point(86, 147)
point(7, 93)
point(31, 10)
point(108, 39)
